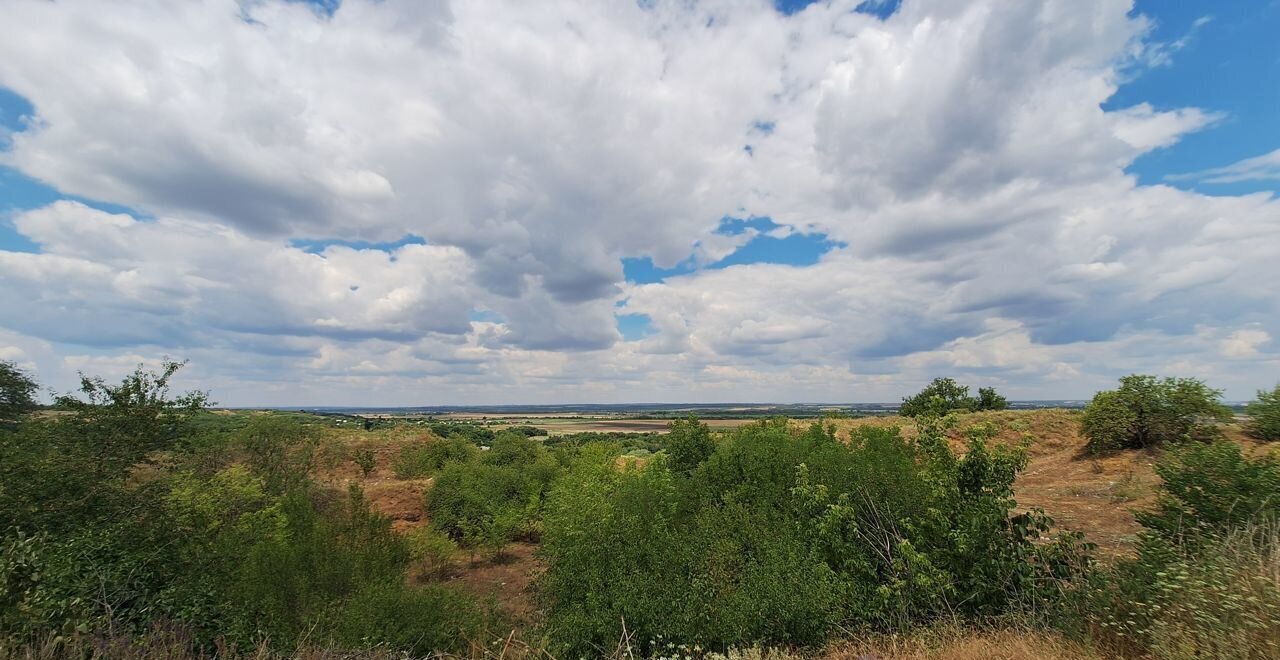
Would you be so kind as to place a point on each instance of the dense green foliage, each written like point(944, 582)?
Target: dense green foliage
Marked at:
point(945, 395)
point(1209, 489)
point(427, 457)
point(1264, 415)
point(474, 433)
point(989, 399)
point(688, 444)
point(121, 515)
point(494, 496)
point(626, 441)
point(1146, 411)
point(1204, 581)
point(17, 392)
point(780, 537)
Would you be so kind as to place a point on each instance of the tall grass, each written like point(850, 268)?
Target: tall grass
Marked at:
point(1224, 603)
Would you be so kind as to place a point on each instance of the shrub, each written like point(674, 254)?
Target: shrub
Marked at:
point(688, 444)
point(98, 534)
point(423, 459)
point(494, 498)
point(434, 552)
point(419, 621)
point(779, 537)
point(1209, 489)
point(1264, 415)
point(281, 450)
point(989, 399)
point(366, 460)
point(944, 395)
point(17, 392)
point(1146, 411)
point(512, 449)
point(469, 431)
point(1204, 581)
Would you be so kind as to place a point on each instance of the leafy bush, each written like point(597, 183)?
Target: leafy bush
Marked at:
point(779, 537)
point(989, 399)
point(433, 552)
point(1209, 489)
point(115, 518)
point(17, 392)
point(944, 395)
point(1264, 415)
point(280, 450)
point(423, 459)
point(495, 497)
point(257, 566)
point(1146, 411)
point(625, 440)
point(366, 460)
point(688, 444)
point(471, 432)
point(1204, 581)
point(419, 621)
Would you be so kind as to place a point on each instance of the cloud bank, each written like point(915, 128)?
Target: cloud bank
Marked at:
point(956, 157)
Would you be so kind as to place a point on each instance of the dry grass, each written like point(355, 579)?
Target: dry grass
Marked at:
point(507, 579)
point(956, 643)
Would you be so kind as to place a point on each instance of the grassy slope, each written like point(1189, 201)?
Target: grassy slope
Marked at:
point(1093, 494)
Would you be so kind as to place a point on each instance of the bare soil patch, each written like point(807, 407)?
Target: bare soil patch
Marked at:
point(507, 579)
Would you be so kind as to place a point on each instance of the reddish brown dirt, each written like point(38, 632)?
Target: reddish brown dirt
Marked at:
point(503, 580)
point(403, 500)
point(507, 579)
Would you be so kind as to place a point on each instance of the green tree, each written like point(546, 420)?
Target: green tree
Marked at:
point(281, 450)
point(989, 399)
point(17, 392)
point(688, 444)
point(937, 398)
point(1146, 411)
point(126, 422)
point(1264, 415)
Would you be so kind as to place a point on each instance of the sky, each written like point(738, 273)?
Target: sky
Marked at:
point(405, 203)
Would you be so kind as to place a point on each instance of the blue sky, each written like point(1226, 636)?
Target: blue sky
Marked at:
point(770, 201)
point(1228, 64)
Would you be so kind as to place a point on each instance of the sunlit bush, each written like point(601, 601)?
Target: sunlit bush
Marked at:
point(779, 537)
point(1146, 411)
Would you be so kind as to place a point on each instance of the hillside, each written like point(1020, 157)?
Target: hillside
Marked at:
point(1093, 494)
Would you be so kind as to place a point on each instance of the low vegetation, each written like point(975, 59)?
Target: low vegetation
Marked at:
point(1206, 579)
point(1264, 415)
point(783, 538)
point(134, 523)
point(17, 392)
point(493, 497)
point(115, 519)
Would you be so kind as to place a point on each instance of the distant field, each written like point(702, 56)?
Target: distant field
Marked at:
point(599, 424)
